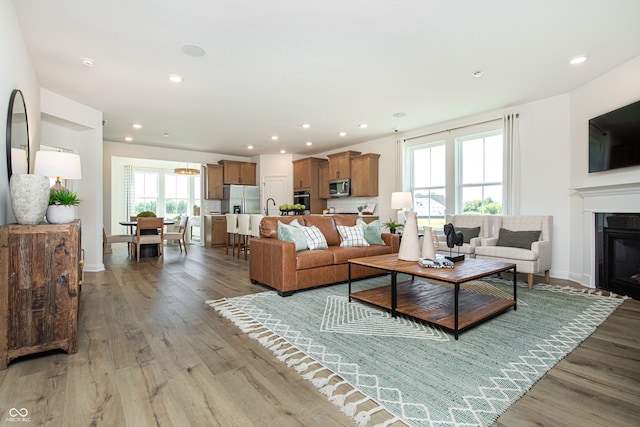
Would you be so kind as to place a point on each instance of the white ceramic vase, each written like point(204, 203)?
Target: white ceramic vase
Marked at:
point(29, 197)
point(428, 249)
point(410, 244)
point(59, 214)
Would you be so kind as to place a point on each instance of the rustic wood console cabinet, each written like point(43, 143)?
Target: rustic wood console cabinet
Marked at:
point(40, 269)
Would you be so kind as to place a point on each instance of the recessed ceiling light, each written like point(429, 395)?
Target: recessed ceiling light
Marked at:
point(477, 74)
point(174, 78)
point(398, 115)
point(193, 50)
point(342, 134)
point(282, 151)
point(87, 62)
point(128, 139)
point(136, 126)
point(363, 125)
point(578, 60)
point(249, 147)
point(309, 143)
point(306, 125)
point(274, 137)
point(166, 135)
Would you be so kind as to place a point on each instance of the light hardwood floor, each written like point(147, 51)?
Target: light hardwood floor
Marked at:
point(151, 352)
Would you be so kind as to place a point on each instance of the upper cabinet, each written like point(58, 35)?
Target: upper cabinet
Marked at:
point(242, 173)
point(323, 176)
point(364, 175)
point(214, 182)
point(340, 164)
point(306, 173)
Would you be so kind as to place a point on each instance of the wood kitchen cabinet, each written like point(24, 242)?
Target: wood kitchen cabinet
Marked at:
point(323, 179)
point(305, 173)
point(40, 270)
point(340, 164)
point(213, 185)
point(241, 173)
point(364, 175)
point(215, 230)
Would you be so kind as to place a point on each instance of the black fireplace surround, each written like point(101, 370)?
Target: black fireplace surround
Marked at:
point(618, 253)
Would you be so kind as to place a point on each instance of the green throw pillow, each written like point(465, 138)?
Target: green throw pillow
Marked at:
point(517, 239)
point(292, 232)
point(372, 232)
point(469, 233)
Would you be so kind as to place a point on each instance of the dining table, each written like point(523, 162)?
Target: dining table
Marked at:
point(150, 250)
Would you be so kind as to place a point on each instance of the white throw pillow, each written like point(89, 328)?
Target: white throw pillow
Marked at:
point(352, 236)
point(315, 238)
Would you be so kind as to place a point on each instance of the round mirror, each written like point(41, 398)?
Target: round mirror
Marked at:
point(17, 135)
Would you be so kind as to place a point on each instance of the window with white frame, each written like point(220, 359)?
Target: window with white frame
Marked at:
point(429, 183)
point(165, 193)
point(146, 191)
point(457, 171)
point(480, 174)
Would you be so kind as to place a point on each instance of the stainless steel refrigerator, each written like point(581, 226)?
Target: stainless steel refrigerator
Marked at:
point(241, 199)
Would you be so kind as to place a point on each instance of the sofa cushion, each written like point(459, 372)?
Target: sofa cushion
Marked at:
point(315, 238)
point(372, 232)
point(292, 232)
point(269, 225)
point(377, 250)
point(313, 259)
point(352, 236)
point(506, 252)
point(342, 255)
point(469, 233)
point(517, 239)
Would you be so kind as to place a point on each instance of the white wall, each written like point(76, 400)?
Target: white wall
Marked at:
point(610, 91)
point(16, 72)
point(76, 127)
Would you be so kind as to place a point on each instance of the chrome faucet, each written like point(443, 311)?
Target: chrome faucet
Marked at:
point(266, 208)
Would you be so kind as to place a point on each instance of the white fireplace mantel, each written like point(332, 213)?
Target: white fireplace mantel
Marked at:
point(621, 198)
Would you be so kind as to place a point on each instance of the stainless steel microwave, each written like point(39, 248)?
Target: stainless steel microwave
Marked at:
point(340, 188)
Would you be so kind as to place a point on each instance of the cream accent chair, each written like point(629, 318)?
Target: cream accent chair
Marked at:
point(532, 261)
point(465, 221)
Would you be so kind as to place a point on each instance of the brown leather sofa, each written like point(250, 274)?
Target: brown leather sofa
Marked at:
point(276, 263)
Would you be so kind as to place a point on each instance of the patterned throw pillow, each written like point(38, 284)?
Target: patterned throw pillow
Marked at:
point(352, 236)
point(292, 232)
point(315, 238)
point(372, 232)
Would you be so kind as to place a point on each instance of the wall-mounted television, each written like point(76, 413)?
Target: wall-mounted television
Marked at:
point(614, 139)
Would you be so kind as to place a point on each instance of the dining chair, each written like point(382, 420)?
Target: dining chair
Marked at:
point(157, 238)
point(115, 238)
point(179, 235)
point(244, 224)
point(232, 230)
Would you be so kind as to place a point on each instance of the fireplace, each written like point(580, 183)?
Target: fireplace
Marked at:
point(618, 253)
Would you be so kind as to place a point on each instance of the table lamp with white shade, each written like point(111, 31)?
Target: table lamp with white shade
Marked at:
point(401, 200)
point(58, 165)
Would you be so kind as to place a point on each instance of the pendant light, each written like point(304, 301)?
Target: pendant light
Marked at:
point(186, 171)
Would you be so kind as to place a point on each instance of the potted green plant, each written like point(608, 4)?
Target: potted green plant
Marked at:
point(61, 209)
point(392, 226)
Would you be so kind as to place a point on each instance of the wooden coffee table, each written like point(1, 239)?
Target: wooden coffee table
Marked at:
point(447, 306)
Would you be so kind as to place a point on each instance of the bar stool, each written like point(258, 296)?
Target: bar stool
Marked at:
point(232, 230)
point(256, 219)
point(244, 224)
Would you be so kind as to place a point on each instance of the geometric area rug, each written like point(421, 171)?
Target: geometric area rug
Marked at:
point(367, 362)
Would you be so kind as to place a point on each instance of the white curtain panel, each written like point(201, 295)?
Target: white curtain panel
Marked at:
point(129, 192)
point(512, 164)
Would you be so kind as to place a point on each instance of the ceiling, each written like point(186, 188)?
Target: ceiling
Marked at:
point(270, 66)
